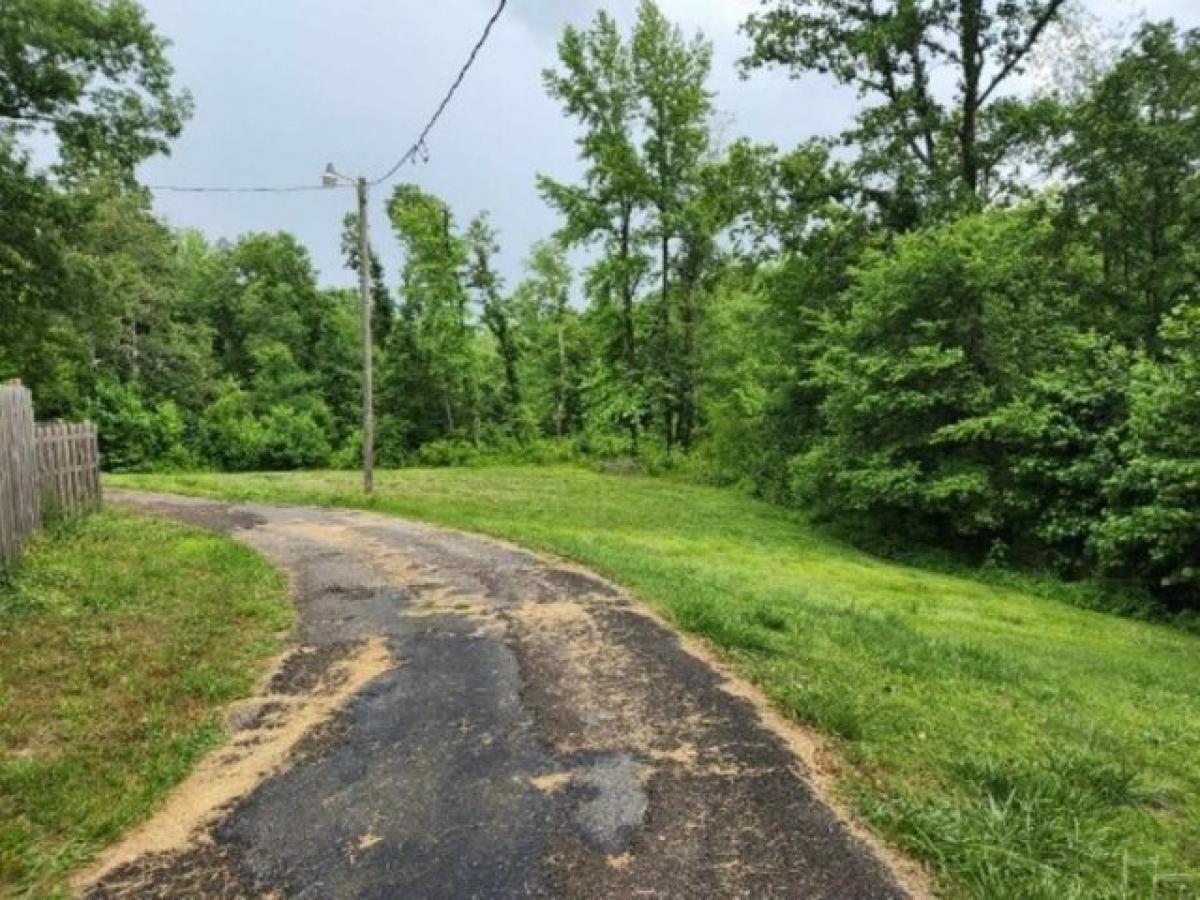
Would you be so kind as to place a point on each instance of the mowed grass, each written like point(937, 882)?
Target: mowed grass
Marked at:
point(1019, 746)
point(120, 636)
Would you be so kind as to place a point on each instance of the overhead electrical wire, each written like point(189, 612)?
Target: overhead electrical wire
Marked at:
point(419, 149)
point(280, 189)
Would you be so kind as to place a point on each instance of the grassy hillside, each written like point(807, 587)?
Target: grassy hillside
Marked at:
point(1021, 746)
point(120, 636)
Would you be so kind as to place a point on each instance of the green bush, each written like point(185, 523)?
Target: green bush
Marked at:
point(1056, 444)
point(134, 436)
point(230, 437)
point(292, 439)
point(940, 334)
point(1153, 530)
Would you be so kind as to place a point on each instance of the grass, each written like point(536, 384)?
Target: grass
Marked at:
point(120, 636)
point(1019, 746)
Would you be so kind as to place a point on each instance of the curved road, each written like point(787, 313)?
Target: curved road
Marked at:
point(533, 734)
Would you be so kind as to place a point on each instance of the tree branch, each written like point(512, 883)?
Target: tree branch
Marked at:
point(1014, 60)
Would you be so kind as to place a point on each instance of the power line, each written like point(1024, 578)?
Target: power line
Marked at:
point(188, 189)
point(419, 149)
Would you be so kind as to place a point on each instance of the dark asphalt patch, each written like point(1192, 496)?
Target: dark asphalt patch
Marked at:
point(220, 517)
point(308, 668)
point(426, 792)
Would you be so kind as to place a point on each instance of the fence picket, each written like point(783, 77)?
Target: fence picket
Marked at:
point(46, 470)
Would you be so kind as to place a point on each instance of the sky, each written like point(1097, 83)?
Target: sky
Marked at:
point(282, 87)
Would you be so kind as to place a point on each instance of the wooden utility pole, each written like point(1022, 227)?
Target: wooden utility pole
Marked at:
point(368, 387)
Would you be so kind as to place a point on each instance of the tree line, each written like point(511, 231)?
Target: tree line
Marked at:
point(970, 319)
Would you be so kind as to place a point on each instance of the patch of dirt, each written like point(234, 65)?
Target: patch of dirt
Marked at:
point(307, 690)
point(433, 595)
point(552, 783)
point(211, 871)
point(590, 694)
point(577, 583)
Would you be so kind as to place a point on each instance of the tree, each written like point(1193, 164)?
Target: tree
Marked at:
point(1153, 530)
point(434, 309)
point(550, 330)
point(1075, 52)
point(383, 310)
point(496, 307)
point(931, 154)
point(1130, 154)
point(95, 74)
point(909, 441)
point(645, 109)
point(596, 85)
point(94, 78)
point(669, 78)
point(263, 289)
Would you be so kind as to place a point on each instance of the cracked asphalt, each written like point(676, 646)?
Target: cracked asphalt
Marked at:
point(536, 735)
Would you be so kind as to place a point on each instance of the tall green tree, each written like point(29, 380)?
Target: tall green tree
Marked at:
point(596, 85)
point(496, 307)
point(1152, 531)
point(93, 78)
point(1131, 157)
point(95, 75)
point(909, 390)
point(670, 75)
point(919, 152)
point(551, 333)
point(383, 309)
point(645, 109)
point(434, 315)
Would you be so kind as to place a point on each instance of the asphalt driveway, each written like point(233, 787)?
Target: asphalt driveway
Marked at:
point(524, 730)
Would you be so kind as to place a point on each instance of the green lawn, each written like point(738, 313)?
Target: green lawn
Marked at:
point(1020, 746)
point(120, 637)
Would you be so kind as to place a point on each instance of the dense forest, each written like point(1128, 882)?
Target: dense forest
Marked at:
point(972, 319)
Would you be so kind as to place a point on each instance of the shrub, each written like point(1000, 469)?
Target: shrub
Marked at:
point(941, 334)
point(230, 437)
point(134, 437)
point(1153, 530)
point(292, 439)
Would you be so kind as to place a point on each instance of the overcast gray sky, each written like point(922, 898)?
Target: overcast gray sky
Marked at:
point(284, 86)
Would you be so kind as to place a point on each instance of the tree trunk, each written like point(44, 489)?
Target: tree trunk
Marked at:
point(971, 53)
point(664, 326)
point(628, 334)
point(560, 412)
point(687, 387)
point(696, 259)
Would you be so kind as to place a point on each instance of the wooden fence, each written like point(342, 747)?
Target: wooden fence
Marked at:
point(46, 470)
point(68, 465)
point(20, 509)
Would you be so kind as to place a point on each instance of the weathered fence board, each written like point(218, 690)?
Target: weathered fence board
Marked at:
point(68, 467)
point(46, 470)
